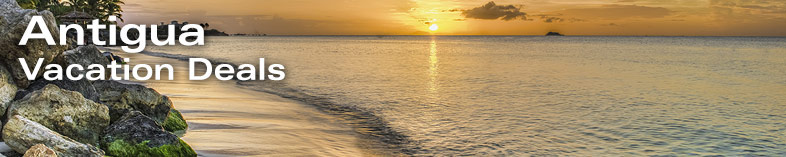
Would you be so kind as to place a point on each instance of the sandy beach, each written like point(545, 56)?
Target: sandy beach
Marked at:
point(226, 120)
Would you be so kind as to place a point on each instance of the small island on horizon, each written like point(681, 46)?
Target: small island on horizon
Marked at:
point(554, 34)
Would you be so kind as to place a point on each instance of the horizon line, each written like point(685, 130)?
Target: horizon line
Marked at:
point(773, 36)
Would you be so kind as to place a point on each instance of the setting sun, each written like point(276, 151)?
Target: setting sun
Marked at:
point(433, 27)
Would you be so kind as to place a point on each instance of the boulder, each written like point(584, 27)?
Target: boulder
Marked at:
point(13, 22)
point(83, 86)
point(21, 133)
point(84, 56)
point(123, 98)
point(7, 89)
point(40, 150)
point(174, 122)
point(65, 112)
point(135, 134)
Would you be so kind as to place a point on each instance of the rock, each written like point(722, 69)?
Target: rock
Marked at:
point(21, 133)
point(83, 86)
point(7, 89)
point(137, 135)
point(6, 5)
point(123, 98)
point(84, 56)
point(10, 154)
point(174, 122)
point(112, 57)
point(40, 150)
point(13, 22)
point(65, 112)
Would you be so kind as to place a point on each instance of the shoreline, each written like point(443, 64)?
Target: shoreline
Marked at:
point(365, 123)
point(222, 114)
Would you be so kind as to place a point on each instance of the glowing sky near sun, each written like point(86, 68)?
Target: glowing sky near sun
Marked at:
point(459, 17)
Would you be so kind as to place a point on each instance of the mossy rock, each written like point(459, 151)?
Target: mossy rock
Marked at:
point(137, 135)
point(122, 148)
point(175, 122)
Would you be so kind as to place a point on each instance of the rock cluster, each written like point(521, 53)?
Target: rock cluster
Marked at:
point(13, 22)
point(77, 117)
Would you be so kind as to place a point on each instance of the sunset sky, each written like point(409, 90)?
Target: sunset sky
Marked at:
point(472, 17)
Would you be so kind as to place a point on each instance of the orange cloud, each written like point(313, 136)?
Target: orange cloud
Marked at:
point(492, 11)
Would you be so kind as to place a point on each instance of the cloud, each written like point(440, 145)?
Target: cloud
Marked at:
point(556, 18)
point(611, 24)
point(760, 6)
point(618, 11)
point(492, 11)
point(772, 11)
point(550, 19)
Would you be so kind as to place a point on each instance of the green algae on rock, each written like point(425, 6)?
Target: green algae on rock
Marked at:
point(137, 135)
point(175, 122)
point(122, 148)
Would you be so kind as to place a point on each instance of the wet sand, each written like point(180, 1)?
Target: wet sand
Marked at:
point(227, 120)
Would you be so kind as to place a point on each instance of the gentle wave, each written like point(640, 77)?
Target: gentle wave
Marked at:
point(364, 122)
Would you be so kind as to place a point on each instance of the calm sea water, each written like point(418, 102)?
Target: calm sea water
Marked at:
point(500, 95)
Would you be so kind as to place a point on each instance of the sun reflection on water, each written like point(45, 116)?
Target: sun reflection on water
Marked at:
point(433, 69)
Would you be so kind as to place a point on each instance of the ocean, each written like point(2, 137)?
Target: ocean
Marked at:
point(532, 95)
